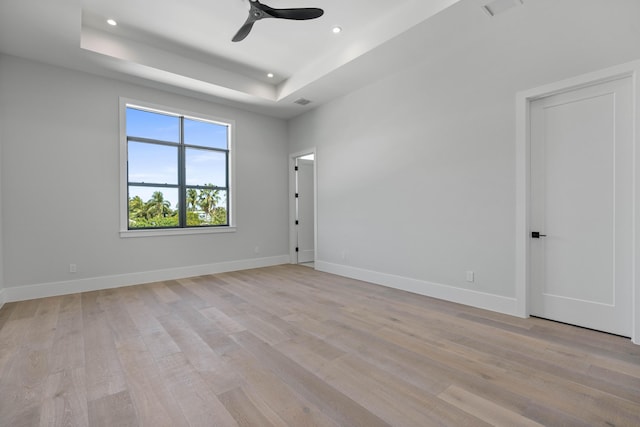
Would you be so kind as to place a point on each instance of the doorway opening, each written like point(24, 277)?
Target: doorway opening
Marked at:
point(302, 206)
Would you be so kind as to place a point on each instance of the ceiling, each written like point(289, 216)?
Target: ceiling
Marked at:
point(185, 46)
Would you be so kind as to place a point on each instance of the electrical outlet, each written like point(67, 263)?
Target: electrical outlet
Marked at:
point(73, 268)
point(470, 276)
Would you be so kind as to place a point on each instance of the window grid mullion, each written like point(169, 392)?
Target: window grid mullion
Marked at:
point(150, 184)
point(182, 200)
point(203, 147)
point(227, 183)
point(152, 141)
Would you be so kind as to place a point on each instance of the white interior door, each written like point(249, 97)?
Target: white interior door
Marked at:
point(305, 209)
point(582, 200)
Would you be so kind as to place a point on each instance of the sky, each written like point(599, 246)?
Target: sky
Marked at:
point(152, 163)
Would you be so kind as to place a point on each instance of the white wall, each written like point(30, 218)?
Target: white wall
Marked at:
point(2, 125)
point(60, 189)
point(416, 173)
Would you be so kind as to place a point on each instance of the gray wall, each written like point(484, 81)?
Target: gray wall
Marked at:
point(2, 126)
point(60, 189)
point(416, 173)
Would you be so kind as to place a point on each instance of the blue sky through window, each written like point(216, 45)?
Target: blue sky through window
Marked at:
point(145, 124)
point(205, 134)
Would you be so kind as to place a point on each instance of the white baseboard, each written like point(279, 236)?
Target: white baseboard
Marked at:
point(445, 292)
point(43, 290)
point(472, 298)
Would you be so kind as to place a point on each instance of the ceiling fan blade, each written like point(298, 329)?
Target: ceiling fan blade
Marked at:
point(302, 13)
point(244, 31)
point(258, 11)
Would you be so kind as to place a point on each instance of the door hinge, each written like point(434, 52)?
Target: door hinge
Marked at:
point(295, 168)
point(297, 195)
point(297, 222)
point(297, 249)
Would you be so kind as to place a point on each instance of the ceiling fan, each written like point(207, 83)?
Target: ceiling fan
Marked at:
point(260, 11)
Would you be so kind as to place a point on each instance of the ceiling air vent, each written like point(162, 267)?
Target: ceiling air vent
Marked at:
point(302, 101)
point(497, 7)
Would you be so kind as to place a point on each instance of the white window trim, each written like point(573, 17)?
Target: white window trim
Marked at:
point(123, 205)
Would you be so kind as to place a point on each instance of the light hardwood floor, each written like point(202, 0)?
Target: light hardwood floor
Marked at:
point(290, 346)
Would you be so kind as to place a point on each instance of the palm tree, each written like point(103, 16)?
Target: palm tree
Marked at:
point(137, 208)
point(208, 200)
point(192, 198)
point(158, 206)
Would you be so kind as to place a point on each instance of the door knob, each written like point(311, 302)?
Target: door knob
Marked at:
point(537, 235)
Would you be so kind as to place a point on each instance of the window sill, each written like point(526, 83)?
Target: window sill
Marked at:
point(175, 232)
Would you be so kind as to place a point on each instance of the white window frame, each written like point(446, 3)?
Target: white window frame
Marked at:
point(125, 232)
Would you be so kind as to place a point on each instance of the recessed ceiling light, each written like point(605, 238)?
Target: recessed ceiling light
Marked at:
point(112, 22)
point(336, 30)
point(270, 75)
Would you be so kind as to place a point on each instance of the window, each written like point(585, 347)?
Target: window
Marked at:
point(177, 170)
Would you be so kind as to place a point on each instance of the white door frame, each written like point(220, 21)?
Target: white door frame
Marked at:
point(293, 257)
point(523, 196)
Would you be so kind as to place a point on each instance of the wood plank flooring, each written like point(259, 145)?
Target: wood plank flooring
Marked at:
point(290, 346)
